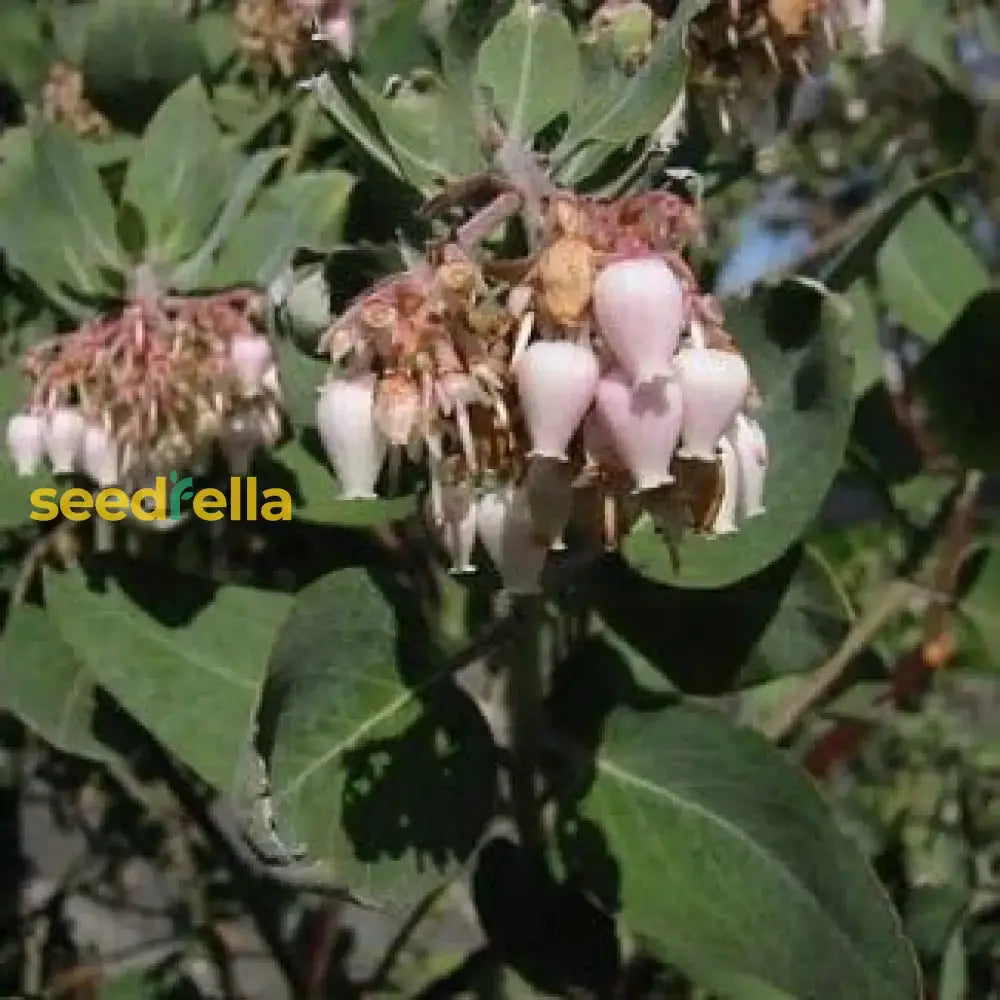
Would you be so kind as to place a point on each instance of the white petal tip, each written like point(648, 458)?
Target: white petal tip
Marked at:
point(649, 486)
point(700, 456)
point(468, 570)
point(755, 512)
point(358, 495)
point(558, 456)
point(558, 546)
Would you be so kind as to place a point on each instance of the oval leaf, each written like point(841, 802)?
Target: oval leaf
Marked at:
point(389, 791)
point(734, 867)
point(186, 658)
point(530, 66)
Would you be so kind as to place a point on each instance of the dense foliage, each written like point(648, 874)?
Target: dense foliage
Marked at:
point(622, 379)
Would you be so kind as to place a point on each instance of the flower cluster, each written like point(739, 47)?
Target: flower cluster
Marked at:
point(278, 32)
point(64, 103)
point(126, 399)
point(741, 50)
point(597, 362)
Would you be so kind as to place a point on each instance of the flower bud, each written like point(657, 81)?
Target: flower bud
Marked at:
point(750, 445)
point(26, 442)
point(639, 306)
point(725, 518)
point(64, 438)
point(714, 385)
point(644, 423)
point(346, 422)
point(556, 382)
point(508, 535)
point(100, 455)
point(251, 357)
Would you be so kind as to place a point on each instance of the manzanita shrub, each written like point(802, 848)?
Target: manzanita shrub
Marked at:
point(480, 473)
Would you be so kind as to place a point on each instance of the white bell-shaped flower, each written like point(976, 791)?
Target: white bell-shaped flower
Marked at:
point(458, 526)
point(356, 448)
point(556, 381)
point(252, 358)
point(725, 518)
point(750, 445)
point(64, 439)
point(100, 455)
point(509, 537)
point(639, 305)
point(26, 442)
point(644, 422)
point(714, 385)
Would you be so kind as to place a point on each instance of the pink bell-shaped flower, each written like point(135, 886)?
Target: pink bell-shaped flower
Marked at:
point(750, 445)
point(556, 382)
point(100, 455)
point(458, 530)
point(714, 385)
point(508, 535)
point(26, 442)
point(346, 423)
point(252, 358)
point(725, 518)
point(64, 438)
point(645, 424)
point(639, 305)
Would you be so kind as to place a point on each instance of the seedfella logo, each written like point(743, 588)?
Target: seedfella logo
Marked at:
point(161, 502)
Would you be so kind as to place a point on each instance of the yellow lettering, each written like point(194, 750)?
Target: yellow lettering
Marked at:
point(281, 499)
point(209, 504)
point(112, 504)
point(44, 507)
point(157, 493)
point(76, 504)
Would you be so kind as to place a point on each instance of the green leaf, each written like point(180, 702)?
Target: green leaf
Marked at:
point(732, 865)
point(59, 225)
point(316, 494)
point(430, 130)
point(179, 175)
point(45, 685)
point(194, 273)
point(186, 658)
point(304, 211)
point(862, 332)
point(345, 107)
point(137, 52)
point(796, 348)
point(879, 221)
point(531, 67)
point(393, 41)
point(381, 766)
point(927, 272)
point(24, 54)
point(959, 378)
point(978, 610)
point(786, 619)
point(623, 108)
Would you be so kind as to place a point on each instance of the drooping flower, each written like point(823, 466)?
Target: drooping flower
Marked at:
point(556, 381)
point(99, 453)
point(26, 442)
point(714, 384)
point(725, 518)
point(748, 440)
point(645, 424)
point(458, 528)
point(639, 305)
point(509, 536)
point(64, 439)
point(356, 448)
point(251, 358)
